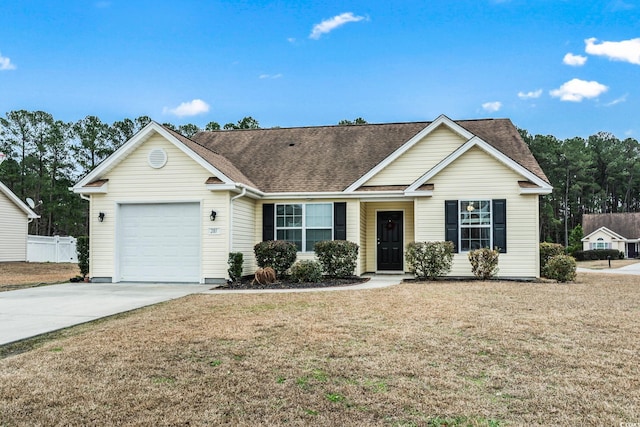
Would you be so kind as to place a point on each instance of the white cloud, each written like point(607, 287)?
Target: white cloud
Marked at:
point(530, 95)
point(492, 107)
point(626, 50)
point(270, 76)
point(191, 108)
point(331, 24)
point(574, 60)
point(623, 98)
point(576, 90)
point(5, 63)
point(291, 39)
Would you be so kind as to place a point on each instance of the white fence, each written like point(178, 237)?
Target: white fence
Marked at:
point(51, 249)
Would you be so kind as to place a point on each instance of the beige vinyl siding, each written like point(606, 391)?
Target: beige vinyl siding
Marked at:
point(372, 208)
point(180, 180)
point(419, 159)
point(13, 231)
point(243, 232)
point(477, 175)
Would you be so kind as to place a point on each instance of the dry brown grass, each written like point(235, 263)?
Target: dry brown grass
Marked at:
point(15, 275)
point(604, 264)
point(466, 353)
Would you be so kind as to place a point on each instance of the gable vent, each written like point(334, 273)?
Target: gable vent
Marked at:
point(157, 158)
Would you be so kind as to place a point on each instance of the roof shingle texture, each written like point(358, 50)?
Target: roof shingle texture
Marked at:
point(625, 224)
point(330, 158)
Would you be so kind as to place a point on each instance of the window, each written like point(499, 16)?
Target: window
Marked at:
point(601, 244)
point(304, 224)
point(475, 224)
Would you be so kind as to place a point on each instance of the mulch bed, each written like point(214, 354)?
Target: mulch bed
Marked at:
point(249, 283)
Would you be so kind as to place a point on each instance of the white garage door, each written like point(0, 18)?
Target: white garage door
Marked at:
point(159, 242)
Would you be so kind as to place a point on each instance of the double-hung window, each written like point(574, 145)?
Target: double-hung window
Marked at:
point(304, 224)
point(475, 224)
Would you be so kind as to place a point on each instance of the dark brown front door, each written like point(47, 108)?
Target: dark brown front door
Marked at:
point(390, 240)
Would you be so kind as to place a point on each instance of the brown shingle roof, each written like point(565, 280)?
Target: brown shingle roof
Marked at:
point(215, 159)
point(625, 224)
point(330, 158)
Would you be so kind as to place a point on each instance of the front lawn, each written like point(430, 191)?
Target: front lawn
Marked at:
point(16, 275)
point(441, 353)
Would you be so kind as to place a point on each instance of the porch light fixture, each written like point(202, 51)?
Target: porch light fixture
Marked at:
point(213, 215)
point(101, 216)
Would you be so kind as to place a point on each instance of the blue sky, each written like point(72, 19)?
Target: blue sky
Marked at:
point(561, 67)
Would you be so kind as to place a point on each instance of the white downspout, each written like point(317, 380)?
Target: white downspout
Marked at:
point(242, 194)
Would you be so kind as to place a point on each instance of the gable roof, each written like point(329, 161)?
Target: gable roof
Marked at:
point(626, 225)
point(333, 158)
point(19, 203)
point(210, 160)
point(605, 230)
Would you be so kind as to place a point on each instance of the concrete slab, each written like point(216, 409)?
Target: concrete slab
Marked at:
point(29, 312)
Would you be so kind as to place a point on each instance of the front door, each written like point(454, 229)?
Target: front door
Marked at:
point(390, 240)
point(631, 250)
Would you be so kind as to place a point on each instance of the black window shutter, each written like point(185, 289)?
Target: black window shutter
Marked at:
point(340, 221)
point(268, 217)
point(500, 225)
point(451, 222)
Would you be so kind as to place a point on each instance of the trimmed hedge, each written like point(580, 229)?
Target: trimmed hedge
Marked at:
point(429, 260)
point(484, 263)
point(561, 268)
point(306, 271)
point(82, 248)
point(235, 265)
point(548, 250)
point(337, 257)
point(277, 254)
point(595, 254)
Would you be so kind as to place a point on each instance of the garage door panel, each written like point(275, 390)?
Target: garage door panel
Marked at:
point(160, 242)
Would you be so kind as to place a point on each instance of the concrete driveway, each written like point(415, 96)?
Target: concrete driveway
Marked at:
point(29, 312)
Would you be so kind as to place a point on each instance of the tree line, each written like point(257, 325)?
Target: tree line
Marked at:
point(598, 174)
point(45, 157)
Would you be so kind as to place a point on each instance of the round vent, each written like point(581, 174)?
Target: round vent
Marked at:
point(157, 158)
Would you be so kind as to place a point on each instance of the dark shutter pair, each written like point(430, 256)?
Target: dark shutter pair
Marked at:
point(498, 218)
point(339, 221)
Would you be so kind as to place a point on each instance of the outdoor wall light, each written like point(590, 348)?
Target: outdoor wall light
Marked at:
point(213, 215)
point(101, 216)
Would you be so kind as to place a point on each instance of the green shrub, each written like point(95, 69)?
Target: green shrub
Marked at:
point(595, 254)
point(306, 271)
point(277, 254)
point(82, 248)
point(561, 268)
point(235, 262)
point(337, 257)
point(428, 260)
point(484, 263)
point(548, 250)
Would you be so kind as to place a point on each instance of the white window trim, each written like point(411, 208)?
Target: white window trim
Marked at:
point(303, 227)
point(461, 225)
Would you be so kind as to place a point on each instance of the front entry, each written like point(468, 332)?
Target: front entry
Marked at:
point(390, 240)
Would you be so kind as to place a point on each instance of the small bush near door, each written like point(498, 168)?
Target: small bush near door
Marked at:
point(338, 257)
point(306, 271)
point(235, 262)
point(429, 260)
point(484, 263)
point(548, 250)
point(277, 254)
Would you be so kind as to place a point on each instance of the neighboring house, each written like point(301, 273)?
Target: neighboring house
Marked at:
point(167, 208)
point(619, 231)
point(15, 216)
